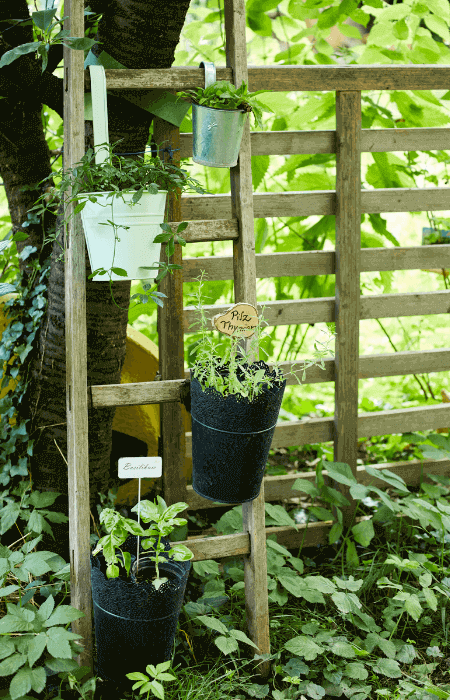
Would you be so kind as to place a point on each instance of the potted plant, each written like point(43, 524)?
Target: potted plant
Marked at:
point(234, 404)
point(136, 609)
point(122, 203)
point(219, 112)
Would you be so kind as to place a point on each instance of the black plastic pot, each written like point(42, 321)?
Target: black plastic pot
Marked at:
point(135, 624)
point(231, 438)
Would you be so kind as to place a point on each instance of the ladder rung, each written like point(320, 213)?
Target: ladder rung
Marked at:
point(136, 394)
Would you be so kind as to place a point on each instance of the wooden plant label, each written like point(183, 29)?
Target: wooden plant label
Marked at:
point(241, 317)
point(140, 467)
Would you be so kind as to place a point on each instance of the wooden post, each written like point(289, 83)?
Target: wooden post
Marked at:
point(171, 339)
point(244, 263)
point(348, 254)
point(76, 349)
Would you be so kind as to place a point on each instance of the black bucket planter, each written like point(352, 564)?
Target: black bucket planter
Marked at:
point(231, 438)
point(135, 624)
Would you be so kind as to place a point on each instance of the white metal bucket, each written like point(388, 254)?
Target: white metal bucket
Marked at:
point(135, 247)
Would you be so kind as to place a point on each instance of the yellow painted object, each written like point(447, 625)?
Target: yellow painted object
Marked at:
point(141, 422)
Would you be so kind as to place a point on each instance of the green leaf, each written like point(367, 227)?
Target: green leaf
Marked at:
point(440, 8)
point(351, 555)
point(388, 667)
point(363, 532)
point(6, 647)
point(304, 646)
point(43, 18)
point(387, 476)
point(46, 609)
point(438, 26)
point(321, 513)
point(358, 491)
point(413, 606)
point(79, 43)
point(10, 665)
point(6, 288)
point(305, 486)
point(227, 645)
point(356, 670)
point(242, 637)
point(35, 648)
point(212, 623)
point(17, 52)
point(335, 533)
point(343, 649)
point(401, 30)
point(341, 472)
point(430, 598)
point(406, 654)
point(21, 683)
point(279, 514)
point(38, 679)
point(58, 642)
point(61, 665)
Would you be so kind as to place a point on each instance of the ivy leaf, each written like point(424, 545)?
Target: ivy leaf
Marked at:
point(17, 52)
point(304, 646)
point(388, 667)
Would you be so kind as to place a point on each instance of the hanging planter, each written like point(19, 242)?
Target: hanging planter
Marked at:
point(136, 607)
point(133, 249)
point(219, 113)
point(231, 438)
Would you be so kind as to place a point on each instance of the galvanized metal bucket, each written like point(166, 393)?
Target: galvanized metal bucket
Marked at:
point(217, 132)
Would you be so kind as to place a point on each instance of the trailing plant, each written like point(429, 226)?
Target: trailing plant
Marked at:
point(24, 314)
point(233, 371)
point(117, 176)
point(224, 95)
point(119, 528)
point(33, 635)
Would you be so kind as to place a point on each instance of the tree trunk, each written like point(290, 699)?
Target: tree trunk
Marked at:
point(139, 34)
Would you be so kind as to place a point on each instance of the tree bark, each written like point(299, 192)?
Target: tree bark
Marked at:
point(139, 34)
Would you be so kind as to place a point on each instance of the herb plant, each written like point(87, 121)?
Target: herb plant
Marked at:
point(158, 674)
point(233, 371)
point(223, 95)
point(117, 176)
point(119, 528)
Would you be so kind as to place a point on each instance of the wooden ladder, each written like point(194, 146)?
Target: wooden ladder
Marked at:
point(171, 345)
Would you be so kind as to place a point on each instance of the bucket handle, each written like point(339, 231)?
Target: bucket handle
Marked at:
point(210, 72)
point(99, 112)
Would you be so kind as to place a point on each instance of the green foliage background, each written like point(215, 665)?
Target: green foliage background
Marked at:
point(277, 34)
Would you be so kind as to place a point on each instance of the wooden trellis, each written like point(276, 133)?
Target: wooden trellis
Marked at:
point(225, 217)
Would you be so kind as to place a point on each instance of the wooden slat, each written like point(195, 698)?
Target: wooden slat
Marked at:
point(171, 342)
point(279, 488)
point(253, 513)
point(290, 78)
point(314, 430)
point(347, 300)
point(389, 365)
point(321, 262)
point(372, 141)
point(282, 313)
point(76, 348)
point(307, 203)
point(200, 231)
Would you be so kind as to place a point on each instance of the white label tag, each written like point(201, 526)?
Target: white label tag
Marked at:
point(140, 467)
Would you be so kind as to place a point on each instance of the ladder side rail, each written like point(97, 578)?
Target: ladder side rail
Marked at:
point(76, 347)
point(244, 263)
